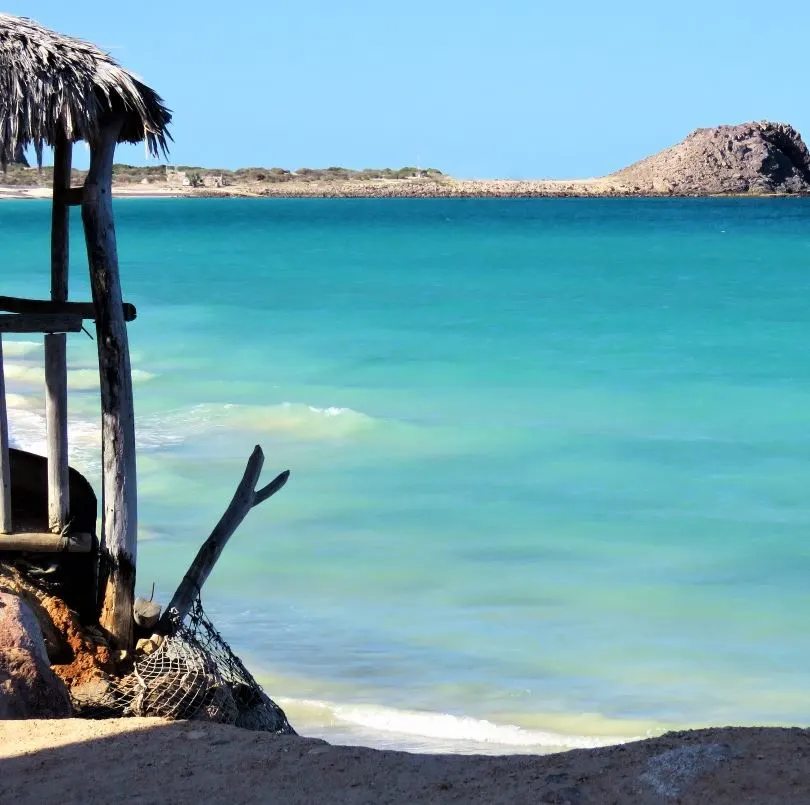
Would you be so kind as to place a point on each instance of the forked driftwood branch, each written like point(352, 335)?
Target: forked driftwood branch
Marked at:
point(244, 499)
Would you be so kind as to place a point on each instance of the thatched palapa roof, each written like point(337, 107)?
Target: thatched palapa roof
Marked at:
point(52, 84)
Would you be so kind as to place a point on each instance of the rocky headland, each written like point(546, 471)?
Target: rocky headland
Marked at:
point(758, 158)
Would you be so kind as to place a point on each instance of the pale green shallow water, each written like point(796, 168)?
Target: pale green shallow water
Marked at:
point(551, 459)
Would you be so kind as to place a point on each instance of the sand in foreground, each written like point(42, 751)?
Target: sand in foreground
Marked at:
point(76, 762)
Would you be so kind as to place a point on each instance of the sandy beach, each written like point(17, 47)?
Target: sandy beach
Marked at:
point(152, 761)
point(40, 193)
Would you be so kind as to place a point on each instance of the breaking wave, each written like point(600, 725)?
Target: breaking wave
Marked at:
point(298, 420)
point(153, 432)
point(428, 731)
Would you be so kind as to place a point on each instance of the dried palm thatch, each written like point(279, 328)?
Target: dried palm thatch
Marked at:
point(53, 86)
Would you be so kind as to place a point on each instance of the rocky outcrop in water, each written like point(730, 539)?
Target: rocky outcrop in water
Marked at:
point(747, 158)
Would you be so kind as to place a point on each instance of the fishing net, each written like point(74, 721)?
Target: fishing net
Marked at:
point(191, 674)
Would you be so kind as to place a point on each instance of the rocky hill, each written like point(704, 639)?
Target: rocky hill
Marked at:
point(748, 158)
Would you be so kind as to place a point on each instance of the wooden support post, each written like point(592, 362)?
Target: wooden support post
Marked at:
point(56, 401)
point(5, 461)
point(56, 431)
point(118, 550)
point(244, 499)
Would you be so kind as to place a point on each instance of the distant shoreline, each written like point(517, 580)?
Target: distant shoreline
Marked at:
point(403, 188)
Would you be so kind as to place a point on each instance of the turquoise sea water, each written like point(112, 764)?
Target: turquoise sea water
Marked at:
point(550, 459)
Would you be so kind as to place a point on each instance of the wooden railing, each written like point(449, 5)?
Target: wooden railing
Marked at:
point(54, 320)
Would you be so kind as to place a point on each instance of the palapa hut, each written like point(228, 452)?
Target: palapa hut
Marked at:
point(54, 91)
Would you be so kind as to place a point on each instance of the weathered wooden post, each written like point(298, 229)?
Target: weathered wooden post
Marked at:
point(5, 465)
point(118, 552)
point(55, 344)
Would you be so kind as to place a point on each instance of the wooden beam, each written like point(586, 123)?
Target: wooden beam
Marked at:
point(118, 550)
point(244, 499)
point(46, 542)
point(16, 304)
point(5, 462)
point(56, 399)
point(40, 323)
point(69, 196)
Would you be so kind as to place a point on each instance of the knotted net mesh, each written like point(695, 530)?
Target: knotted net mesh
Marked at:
point(191, 674)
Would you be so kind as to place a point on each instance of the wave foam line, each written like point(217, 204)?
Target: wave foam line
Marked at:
point(27, 424)
point(21, 349)
point(438, 726)
point(297, 419)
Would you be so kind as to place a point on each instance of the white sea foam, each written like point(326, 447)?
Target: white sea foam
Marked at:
point(299, 420)
point(25, 401)
point(31, 374)
point(27, 432)
point(25, 374)
point(160, 431)
point(21, 349)
point(430, 731)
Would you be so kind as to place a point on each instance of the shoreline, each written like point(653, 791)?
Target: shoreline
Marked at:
point(404, 188)
point(185, 762)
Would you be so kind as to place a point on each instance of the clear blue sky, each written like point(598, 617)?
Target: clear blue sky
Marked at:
point(513, 88)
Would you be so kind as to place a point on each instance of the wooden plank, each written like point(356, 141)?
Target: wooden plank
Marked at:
point(5, 462)
point(244, 499)
point(46, 542)
point(40, 323)
point(16, 304)
point(118, 550)
point(70, 196)
point(56, 400)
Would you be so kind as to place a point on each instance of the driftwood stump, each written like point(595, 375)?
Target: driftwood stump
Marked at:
point(244, 499)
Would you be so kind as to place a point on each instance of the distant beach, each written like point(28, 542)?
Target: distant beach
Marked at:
point(749, 159)
point(606, 187)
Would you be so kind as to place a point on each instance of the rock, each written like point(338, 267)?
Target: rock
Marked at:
point(175, 694)
point(218, 706)
point(149, 645)
point(146, 613)
point(28, 687)
point(95, 634)
point(258, 712)
point(95, 696)
point(747, 158)
point(671, 772)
